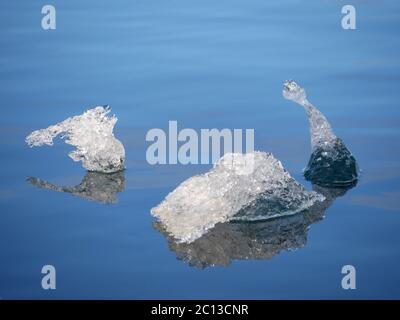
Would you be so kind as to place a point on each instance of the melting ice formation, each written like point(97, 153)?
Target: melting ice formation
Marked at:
point(241, 240)
point(233, 192)
point(226, 191)
point(96, 186)
point(92, 135)
point(331, 164)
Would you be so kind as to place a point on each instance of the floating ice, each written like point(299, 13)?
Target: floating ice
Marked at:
point(237, 182)
point(96, 186)
point(226, 213)
point(321, 132)
point(331, 163)
point(251, 240)
point(92, 135)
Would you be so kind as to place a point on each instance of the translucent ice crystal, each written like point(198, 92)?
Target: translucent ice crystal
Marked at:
point(237, 182)
point(92, 135)
point(321, 132)
point(248, 240)
point(331, 164)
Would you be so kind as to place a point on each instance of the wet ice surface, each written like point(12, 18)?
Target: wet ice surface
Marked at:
point(237, 182)
point(331, 164)
point(239, 240)
point(334, 167)
point(92, 135)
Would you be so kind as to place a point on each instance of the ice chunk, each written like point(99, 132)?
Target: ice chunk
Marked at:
point(331, 164)
point(334, 167)
point(251, 240)
point(237, 181)
point(96, 186)
point(92, 135)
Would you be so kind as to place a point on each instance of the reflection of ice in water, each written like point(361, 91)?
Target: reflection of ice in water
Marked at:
point(92, 135)
point(202, 201)
point(251, 240)
point(331, 163)
point(101, 187)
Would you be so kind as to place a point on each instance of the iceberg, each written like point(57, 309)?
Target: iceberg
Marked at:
point(92, 135)
point(331, 164)
point(237, 183)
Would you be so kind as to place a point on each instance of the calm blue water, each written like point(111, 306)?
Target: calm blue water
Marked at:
point(205, 64)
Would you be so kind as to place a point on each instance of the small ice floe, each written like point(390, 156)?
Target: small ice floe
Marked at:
point(242, 240)
point(237, 182)
point(92, 135)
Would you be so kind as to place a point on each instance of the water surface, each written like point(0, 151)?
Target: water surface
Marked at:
point(205, 64)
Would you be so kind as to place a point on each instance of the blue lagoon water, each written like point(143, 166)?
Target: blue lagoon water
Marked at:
point(205, 64)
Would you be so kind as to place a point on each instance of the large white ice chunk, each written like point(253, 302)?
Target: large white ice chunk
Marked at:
point(92, 135)
point(237, 181)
